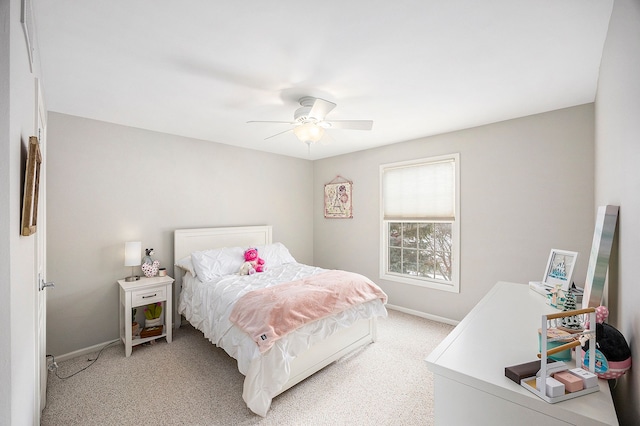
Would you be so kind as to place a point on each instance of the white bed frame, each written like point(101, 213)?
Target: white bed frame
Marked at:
point(361, 333)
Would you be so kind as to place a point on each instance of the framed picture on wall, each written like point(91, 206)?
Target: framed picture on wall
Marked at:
point(31, 184)
point(338, 199)
point(560, 268)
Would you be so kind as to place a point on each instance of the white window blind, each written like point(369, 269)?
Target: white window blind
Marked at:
point(423, 191)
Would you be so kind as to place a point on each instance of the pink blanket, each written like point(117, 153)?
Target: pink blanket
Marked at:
point(270, 313)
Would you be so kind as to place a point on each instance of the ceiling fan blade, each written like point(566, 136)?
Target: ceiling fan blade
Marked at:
point(283, 122)
point(321, 108)
point(351, 124)
point(278, 134)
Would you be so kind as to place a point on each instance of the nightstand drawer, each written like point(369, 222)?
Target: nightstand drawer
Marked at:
point(146, 296)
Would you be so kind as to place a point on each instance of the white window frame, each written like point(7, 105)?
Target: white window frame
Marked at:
point(450, 286)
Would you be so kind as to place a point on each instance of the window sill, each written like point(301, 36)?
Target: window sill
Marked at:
point(453, 287)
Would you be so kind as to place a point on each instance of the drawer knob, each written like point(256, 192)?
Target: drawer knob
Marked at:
point(153, 295)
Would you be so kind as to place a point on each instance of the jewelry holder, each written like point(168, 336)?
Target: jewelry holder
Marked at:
point(590, 333)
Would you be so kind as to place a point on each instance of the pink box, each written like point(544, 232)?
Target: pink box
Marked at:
point(571, 382)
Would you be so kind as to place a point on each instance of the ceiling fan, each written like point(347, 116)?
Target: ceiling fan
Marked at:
point(309, 121)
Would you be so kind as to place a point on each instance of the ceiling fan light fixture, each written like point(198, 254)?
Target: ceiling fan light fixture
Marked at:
point(308, 132)
point(309, 121)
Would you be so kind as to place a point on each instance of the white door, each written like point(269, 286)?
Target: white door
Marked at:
point(41, 262)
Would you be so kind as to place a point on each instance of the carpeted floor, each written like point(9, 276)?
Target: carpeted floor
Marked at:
point(191, 382)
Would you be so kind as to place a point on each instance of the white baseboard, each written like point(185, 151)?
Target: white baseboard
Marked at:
point(423, 315)
point(85, 351)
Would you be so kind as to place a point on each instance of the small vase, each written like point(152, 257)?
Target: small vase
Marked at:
point(150, 269)
point(152, 322)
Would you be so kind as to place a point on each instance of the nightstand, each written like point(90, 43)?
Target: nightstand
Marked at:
point(141, 293)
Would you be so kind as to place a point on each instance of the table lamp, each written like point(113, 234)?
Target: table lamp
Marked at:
point(132, 257)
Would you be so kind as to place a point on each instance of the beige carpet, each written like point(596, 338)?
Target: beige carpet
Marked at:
point(191, 382)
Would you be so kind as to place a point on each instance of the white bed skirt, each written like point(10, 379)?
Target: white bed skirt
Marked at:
point(292, 358)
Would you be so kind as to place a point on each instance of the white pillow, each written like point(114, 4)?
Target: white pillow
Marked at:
point(186, 264)
point(275, 254)
point(209, 264)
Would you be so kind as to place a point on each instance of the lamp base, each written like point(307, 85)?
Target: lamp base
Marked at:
point(132, 278)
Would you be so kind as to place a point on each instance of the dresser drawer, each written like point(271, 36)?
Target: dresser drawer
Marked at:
point(147, 296)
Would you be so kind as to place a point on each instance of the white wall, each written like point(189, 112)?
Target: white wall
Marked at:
point(526, 187)
point(618, 182)
point(18, 389)
point(526, 183)
point(108, 184)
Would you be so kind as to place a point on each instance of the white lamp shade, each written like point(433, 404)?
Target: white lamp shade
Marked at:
point(308, 132)
point(132, 253)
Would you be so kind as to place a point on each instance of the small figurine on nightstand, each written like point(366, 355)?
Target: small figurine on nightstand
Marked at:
point(148, 253)
point(149, 266)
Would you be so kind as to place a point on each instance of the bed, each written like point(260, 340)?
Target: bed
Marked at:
point(291, 358)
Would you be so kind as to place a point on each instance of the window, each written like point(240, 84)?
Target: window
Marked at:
point(421, 222)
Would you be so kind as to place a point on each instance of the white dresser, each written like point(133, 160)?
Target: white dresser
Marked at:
point(468, 368)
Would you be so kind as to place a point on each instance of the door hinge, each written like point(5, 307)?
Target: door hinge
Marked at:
point(44, 284)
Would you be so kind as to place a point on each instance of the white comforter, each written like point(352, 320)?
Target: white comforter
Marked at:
point(207, 307)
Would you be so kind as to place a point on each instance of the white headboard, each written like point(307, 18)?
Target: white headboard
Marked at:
point(186, 241)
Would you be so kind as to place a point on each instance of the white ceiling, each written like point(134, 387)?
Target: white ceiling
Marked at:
point(202, 68)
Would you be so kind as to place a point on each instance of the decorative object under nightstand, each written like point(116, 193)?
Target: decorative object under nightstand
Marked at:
point(141, 293)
